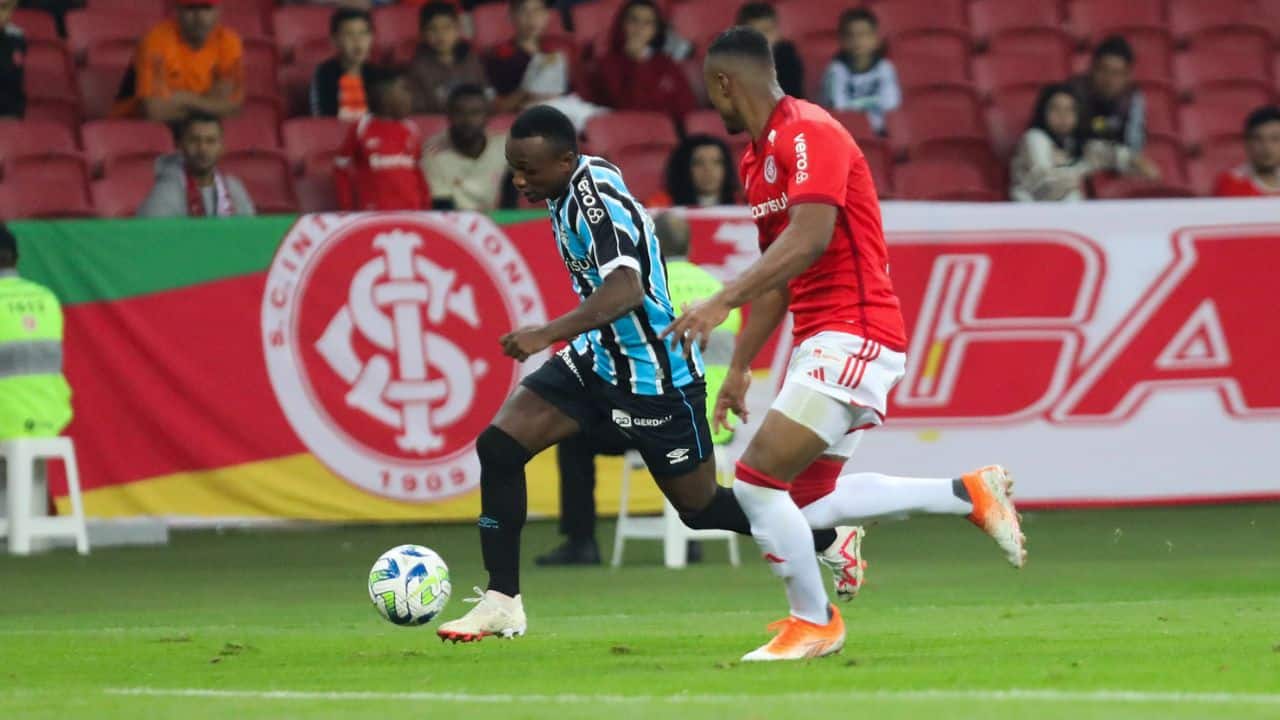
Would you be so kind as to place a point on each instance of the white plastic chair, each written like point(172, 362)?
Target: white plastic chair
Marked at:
point(668, 528)
point(22, 523)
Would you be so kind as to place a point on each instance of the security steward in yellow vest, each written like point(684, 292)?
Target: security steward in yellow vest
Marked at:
point(34, 397)
point(576, 456)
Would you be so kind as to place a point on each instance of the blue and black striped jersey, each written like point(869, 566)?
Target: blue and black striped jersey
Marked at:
point(600, 227)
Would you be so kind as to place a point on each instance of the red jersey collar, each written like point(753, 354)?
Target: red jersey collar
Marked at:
point(775, 118)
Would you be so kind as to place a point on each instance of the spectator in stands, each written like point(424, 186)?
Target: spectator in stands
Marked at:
point(338, 88)
point(700, 173)
point(763, 17)
point(188, 183)
point(527, 68)
point(1112, 108)
point(1260, 175)
point(443, 59)
point(13, 53)
point(465, 165)
point(635, 74)
point(1049, 163)
point(190, 64)
point(379, 165)
point(860, 77)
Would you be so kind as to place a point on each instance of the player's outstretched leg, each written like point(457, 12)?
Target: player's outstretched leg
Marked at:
point(525, 425)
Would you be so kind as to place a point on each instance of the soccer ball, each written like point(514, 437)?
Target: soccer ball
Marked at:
point(409, 585)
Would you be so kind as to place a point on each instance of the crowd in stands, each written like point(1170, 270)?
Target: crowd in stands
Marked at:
point(218, 107)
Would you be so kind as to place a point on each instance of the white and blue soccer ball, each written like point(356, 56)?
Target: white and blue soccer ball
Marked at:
point(409, 585)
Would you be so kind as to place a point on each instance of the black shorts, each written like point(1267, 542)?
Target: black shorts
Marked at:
point(670, 431)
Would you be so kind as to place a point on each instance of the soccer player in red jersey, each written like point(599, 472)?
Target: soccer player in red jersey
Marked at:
point(380, 164)
point(824, 259)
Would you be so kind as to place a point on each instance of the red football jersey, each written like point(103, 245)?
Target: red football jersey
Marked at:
point(1241, 182)
point(379, 167)
point(805, 156)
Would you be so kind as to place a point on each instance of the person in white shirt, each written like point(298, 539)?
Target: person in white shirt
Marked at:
point(1049, 163)
point(860, 77)
point(465, 165)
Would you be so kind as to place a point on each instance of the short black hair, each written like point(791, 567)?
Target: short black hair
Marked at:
point(743, 41)
point(342, 15)
point(8, 246)
point(853, 15)
point(1114, 46)
point(196, 117)
point(465, 90)
point(547, 123)
point(433, 10)
point(1261, 116)
point(755, 11)
point(378, 77)
point(514, 5)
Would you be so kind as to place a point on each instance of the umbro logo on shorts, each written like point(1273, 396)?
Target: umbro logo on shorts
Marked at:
point(679, 455)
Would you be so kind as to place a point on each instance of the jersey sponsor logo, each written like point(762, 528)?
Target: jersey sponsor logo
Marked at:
point(768, 207)
point(621, 418)
point(577, 265)
point(802, 159)
point(624, 419)
point(770, 169)
point(377, 333)
point(384, 161)
point(595, 215)
point(678, 455)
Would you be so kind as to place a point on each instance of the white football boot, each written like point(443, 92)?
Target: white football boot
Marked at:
point(991, 491)
point(494, 614)
point(844, 559)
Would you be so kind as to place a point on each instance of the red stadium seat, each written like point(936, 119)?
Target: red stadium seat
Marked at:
point(63, 110)
point(120, 194)
point(989, 18)
point(249, 22)
point(942, 180)
point(996, 72)
point(1152, 54)
point(267, 179)
point(1203, 170)
point(256, 127)
point(27, 139)
point(154, 9)
point(880, 163)
point(942, 43)
point(701, 21)
point(704, 122)
point(37, 26)
point(297, 25)
point(857, 124)
point(1008, 117)
point(797, 18)
point(1167, 153)
point(313, 142)
point(99, 85)
point(921, 72)
point(613, 132)
point(106, 142)
point(50, 187)
point(430, 125)
point(935, 118)
point(1162, 109)
point(1094, 19)
point(260, 74)
point(1199, 68)
point(1046, 42)
point(92, 34)
point(591, 23)
point(1110, 187)
point(1241, 98)
point(52, 63)
point(295, 89)
point(816, 52)
point(394, 25)
point(316, 193)
point(1188, 17)
point(1231, 40)
point(643, 170)
point(898, 17)
point(1204, 124)
point(501, 123)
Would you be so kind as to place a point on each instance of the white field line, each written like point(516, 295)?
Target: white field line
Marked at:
point(1048, 696)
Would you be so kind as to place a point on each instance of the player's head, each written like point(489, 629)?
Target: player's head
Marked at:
point(760, 16)
point(8, 247)
point(1057, 112)
point(859, 33)
point(200, 140)
point(1262, 139)
point(390, 97)
point(197, 20)
point(700, 168)
point(352, 34)
point(438, 27)
point(738, 71)
point(673, 234)
point(542, 152)
point(468, 112)
point(1111, 69)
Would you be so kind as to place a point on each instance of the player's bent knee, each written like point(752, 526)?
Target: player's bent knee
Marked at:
point(500, 451)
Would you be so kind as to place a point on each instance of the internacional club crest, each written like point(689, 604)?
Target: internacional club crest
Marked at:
point(380, 336)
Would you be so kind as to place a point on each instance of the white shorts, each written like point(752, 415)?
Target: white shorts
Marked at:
point(838, 384)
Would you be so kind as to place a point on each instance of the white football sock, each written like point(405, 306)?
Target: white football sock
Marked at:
point(784, 536)
point(860, 497)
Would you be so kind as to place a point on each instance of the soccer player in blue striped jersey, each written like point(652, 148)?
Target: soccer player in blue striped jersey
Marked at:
point(615, 375)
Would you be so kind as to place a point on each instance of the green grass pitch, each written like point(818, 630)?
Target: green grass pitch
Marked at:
point(1163, 613)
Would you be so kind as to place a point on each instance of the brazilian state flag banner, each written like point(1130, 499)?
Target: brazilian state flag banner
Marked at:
point(328, 367)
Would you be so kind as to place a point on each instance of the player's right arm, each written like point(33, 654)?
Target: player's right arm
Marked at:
point(767, 312)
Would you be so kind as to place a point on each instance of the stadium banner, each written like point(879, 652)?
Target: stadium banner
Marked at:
point(337, 367)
